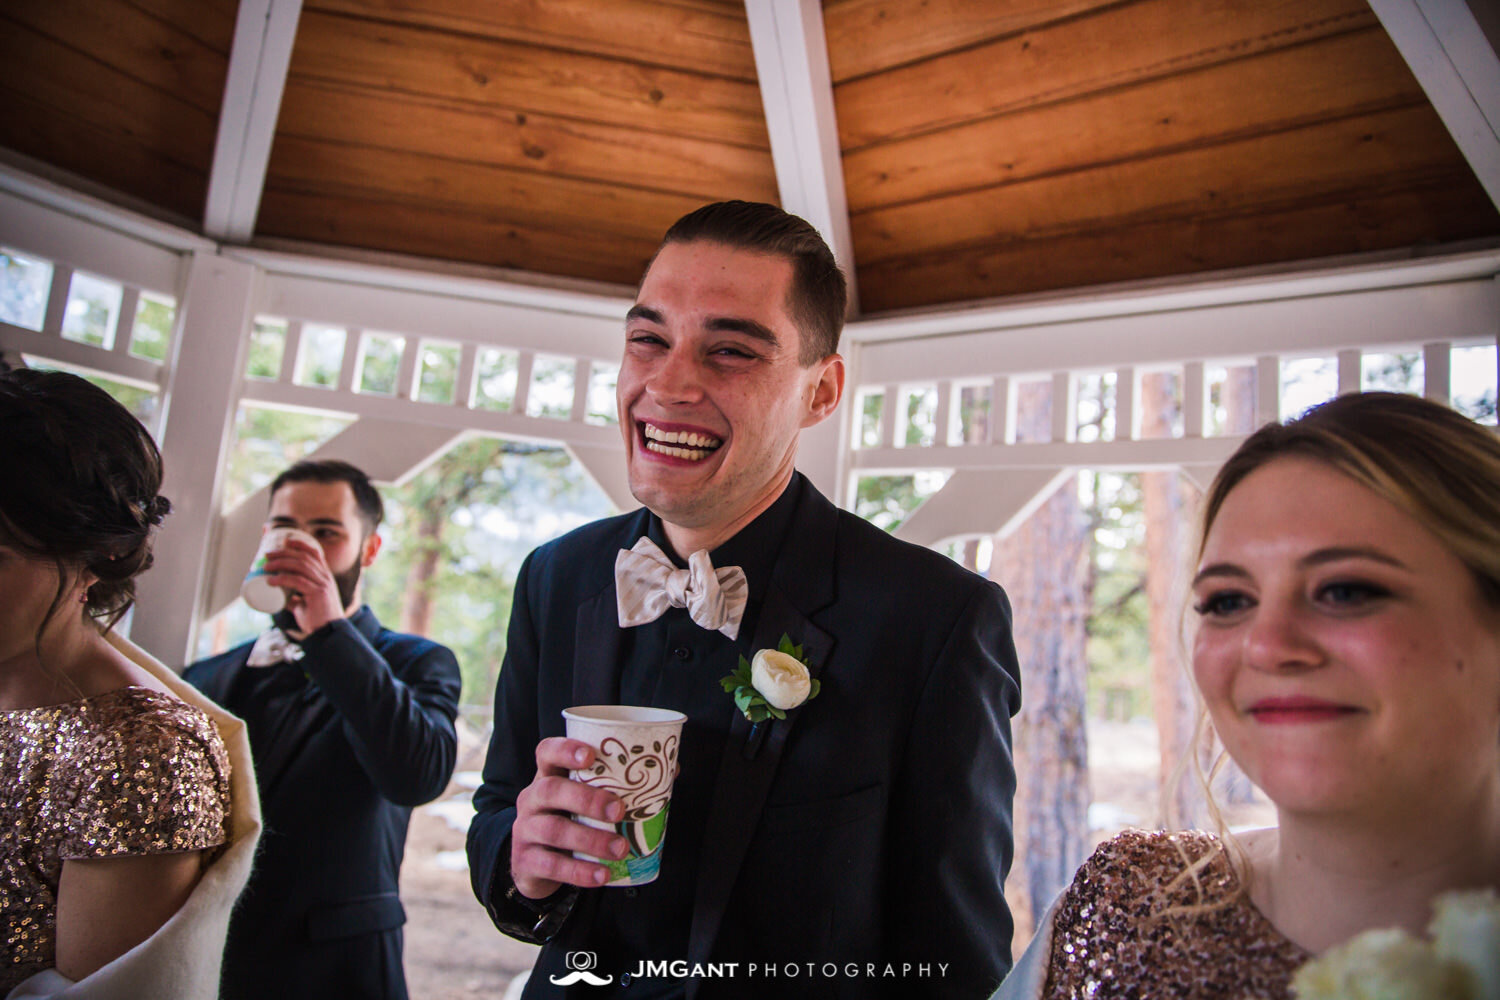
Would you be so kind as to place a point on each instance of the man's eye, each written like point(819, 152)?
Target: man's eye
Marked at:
point(1223, 603)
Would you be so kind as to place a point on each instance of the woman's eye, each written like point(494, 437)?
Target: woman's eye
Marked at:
point(1223, 603)
point(1351, 593)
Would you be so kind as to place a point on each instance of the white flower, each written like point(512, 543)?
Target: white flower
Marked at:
point(1381, 965)
point(780, 678)
point(1466, 929)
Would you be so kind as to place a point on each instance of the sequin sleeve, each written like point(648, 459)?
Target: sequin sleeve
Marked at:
point(1111, 936)
point(154, 780)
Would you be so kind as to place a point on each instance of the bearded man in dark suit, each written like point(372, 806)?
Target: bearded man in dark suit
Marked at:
point(350, 726)
point(857, 847)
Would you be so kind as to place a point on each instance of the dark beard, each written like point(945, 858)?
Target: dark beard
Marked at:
point(348, 582)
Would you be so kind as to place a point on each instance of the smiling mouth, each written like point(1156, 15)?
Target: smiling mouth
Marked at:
point(1281, 711)
point(691, 446)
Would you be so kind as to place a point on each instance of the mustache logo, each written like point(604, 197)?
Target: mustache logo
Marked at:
point(581, 962)
point(580, 976)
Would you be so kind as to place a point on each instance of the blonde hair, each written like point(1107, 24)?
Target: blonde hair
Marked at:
point(1436, 465)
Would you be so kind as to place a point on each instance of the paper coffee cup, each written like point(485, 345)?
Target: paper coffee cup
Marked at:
point(636, 758)
point(256, 591)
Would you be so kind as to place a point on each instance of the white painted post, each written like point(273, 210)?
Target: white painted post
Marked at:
point(1267, 389)
point(1351, 371)
point(582, 370)
point(290, 351)
point(1002, 428)
point(1064, 407)
point(943, 418)
point(1127, 412)
point(524, 362)
point(406, 372)
point(1437, 362)
point(888, 402)
point(348, 370)
point(463, 381)
point(130, 300)
point(57, 300)
point(206, 367)
point(1194, 399)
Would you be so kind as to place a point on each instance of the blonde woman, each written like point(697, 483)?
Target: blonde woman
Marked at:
point(1347, 650)
point(125, 829)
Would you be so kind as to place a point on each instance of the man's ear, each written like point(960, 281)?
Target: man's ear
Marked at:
point(827, 390)
point(370, 547)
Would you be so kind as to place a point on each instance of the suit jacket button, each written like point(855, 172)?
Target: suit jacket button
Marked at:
point(683, 653)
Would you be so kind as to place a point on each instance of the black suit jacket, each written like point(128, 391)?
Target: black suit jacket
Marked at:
point(369, 736)
point(873, 826)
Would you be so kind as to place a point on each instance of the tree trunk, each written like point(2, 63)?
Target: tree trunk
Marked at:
point(1168, 505)
point(416, 600)
point(1043, 567)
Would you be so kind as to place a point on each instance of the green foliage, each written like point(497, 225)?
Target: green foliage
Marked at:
point(458, 531)
point(267, 440)
point(439, 373)
point(380, 363)
point(1118, 649)
point(153, 328)
point(267, 345)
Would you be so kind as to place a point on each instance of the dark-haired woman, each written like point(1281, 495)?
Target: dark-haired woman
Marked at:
point(117, 836)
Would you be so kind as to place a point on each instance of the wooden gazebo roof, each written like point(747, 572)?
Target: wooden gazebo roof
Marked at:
point(953, 150)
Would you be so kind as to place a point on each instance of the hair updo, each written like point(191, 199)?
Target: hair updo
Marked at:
point(78, 485)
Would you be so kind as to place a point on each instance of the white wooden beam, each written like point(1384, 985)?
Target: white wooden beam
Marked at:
point(981, 503)
point(1437, 372)
point(198, 406)
point(263, 35)
point(796, 87)
point(1459, 69)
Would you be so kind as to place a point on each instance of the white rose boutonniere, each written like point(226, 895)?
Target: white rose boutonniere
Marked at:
point(775, 682)
point(1461, 962)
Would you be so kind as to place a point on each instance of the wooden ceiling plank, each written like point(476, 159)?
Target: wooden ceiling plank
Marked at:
point(395, 176)
point(702, 37)
point(485, 237)
point(209, 21)
point(106, 154)
point(514, 76)
point(1327, 159)
point(1459, 69)
point(791, 59)
point(132, 42)
point(1448, 208)
point(1078, 57)
point(109, 100)
point(870, 36)
point(543, 144)
point(1331, 78)
point(263, 36)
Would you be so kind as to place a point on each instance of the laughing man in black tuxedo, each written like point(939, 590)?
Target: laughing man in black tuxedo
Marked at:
point(870, 831)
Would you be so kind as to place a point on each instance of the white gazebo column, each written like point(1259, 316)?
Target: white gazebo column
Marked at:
point(199, 400)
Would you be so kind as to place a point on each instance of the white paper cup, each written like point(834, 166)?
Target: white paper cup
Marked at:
point(636, 758)
point(256, 591)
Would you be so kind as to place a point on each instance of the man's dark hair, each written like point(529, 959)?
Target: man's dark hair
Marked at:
point(818, 295)
point(331, 470)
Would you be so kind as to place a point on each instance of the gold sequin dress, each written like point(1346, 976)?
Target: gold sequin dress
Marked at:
point(1109, 940)
point(129, 772)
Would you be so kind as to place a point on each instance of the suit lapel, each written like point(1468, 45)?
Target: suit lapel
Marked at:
point(802, 583)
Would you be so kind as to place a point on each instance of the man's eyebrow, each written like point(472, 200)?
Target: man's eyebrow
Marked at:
point(643, 312)
point(750, 328)
point(331, 522)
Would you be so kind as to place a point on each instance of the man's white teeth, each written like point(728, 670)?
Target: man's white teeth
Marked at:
point(679, 444)
point(689, 438)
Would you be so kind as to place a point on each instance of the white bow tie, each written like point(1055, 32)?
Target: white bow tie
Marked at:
point(272, 647)
point(647, 584)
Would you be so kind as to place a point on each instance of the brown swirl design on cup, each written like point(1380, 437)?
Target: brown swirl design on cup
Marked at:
point(640, 775)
